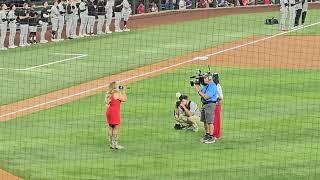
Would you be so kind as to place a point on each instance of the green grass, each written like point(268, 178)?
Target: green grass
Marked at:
point(270, 131)
point(116, 53)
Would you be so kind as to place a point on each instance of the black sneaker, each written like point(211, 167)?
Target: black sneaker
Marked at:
point(204, 138)
point(209, 140)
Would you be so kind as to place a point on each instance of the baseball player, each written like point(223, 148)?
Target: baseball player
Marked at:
point(83, 17)
point(109, 11)
point(118, 5)
point(24, 25)
point(126, 11)
point(44, 22)
point(62, 10)
point(101, 11)
point(304, 11)
point(75, 18)
point(3, 25)
point(54, 14)
point(298, 13)
point(91, 17)
point(12, 25)
point(33, 21)
point(283, 14)
point(292, 13)
point(69, 19)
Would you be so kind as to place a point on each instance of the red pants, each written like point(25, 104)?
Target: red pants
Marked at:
point(217, 121)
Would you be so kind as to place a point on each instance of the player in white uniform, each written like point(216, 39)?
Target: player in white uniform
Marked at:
point(75, 18)
point(44, 22)
point(109, 11)
point(91, 17)
point(101, 12)
point(62, 10)
point(54, 14)
point(3, 25)
point(292, 13)
point(84, 18)
point(118, 5)
point(304, 11)
point(69, 19)
point(283, 14)
point(12, 25)
point(126, 11)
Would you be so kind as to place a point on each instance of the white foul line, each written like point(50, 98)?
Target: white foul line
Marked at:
point(157, 70)
point(77, 56)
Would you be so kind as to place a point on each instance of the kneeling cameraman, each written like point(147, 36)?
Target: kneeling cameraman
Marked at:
point(186, 114)
point(209, 94)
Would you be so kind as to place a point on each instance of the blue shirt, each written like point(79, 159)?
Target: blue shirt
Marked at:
point(211, 91)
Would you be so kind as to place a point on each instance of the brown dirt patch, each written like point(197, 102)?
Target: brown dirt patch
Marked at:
point(7, 176)
point(283, 55)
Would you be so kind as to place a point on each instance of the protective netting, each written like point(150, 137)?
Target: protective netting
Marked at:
point(59, 106)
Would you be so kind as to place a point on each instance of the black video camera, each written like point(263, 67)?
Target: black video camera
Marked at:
point(198, 79)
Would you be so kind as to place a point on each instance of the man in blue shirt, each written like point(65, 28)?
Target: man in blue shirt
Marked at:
point(209, 95)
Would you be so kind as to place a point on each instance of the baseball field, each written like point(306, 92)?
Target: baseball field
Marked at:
point(52, 111)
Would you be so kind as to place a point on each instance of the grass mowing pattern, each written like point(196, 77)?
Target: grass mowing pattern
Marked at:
point(120, 52)
point(270, 131)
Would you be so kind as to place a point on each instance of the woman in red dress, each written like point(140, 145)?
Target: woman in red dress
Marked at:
point(217, 111)
point(115, 95)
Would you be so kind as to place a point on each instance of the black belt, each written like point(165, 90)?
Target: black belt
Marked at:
point(292, 5)
point(209, 102)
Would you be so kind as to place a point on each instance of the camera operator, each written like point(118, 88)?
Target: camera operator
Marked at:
point(209, 94)
point(186, 114)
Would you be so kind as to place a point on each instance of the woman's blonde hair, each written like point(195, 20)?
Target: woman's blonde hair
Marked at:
point(112, 88)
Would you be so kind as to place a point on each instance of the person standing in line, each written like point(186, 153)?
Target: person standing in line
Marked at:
point(44, 22)
point(91, 17)
point(12, 18)
point(217, 111)
point(304, 11)
point(54, 14)
point(117, 15)
point(298, 13)
point(83, 18)
point(3, 25)
point(126, 11)
point(292, 13)
point(75, 18)
point(33, 22)
point(62, 10)
point(283, 14)
point(69, 19)
point(24, 25)
point(101, 12)
point(109, 12)
point(114, 97)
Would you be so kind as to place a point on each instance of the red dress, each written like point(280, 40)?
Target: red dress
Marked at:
point(113, 112)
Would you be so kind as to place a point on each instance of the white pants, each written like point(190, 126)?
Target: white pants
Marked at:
point(24, 29)
point(101, 19)
point(83, 25)
point(13, 30)
point(292, 15)
point(3, 32)
point(68, 26)
point(54, 22)
point(60, 26)
point(74, 25)
point(108, 20)
point(117, 20)
point(283, 18)
point(125, 15)
point(90, 25)
point(44, 27)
